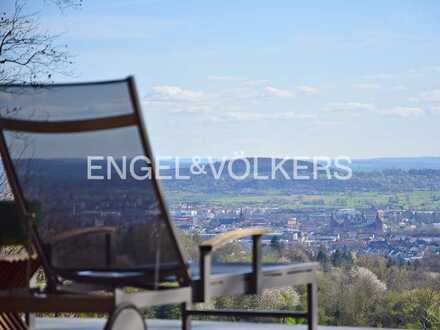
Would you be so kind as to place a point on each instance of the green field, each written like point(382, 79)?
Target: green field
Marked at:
point(414, 200)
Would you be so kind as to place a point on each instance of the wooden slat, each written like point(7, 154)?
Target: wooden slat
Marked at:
point(70, 126)
point(6, 87)
point(247, 313)
point(144, 299)
point(55, 303)
point(242, 283)
point(79, 232)
point(222, 239)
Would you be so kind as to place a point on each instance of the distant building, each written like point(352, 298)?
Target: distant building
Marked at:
point(349, 220)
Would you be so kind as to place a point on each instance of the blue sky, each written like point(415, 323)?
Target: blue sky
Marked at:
point(269, 78)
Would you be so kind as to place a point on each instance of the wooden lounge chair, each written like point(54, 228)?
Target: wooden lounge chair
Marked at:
point(99, 232)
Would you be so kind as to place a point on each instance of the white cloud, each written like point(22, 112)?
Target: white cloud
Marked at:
point(379, 76)
point(176, 99)
point(174, 93)
point(409, 74)
point(366, 86)
point(430, 96)
point(243, 80)
point(413, 99)
point(399, 88)
point(435, 68)
point(431, 69)
point(225, 104)
point(225, 78)
point(272, 91)
point(404, 111)
point(173, 98)
point(304, 89)
point(356, 108)
point(254, 116)
point(327, 123)
point(308, 90)
point(257, 82)
point(351, 107)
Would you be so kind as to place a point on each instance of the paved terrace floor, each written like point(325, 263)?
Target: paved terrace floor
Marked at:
point(98, 324)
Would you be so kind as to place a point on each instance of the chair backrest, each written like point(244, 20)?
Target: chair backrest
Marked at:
point(80, 153)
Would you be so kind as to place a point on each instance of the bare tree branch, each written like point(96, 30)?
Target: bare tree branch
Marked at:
point(28, 55)
point(27, 52)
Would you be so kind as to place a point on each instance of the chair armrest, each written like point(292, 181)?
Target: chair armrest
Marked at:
point(223, 238)
point(79, 232)
point(208, 246)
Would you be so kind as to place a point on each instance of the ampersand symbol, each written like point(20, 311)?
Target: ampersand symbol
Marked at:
point(197, 167)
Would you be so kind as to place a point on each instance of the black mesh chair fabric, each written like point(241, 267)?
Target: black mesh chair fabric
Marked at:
point(100, 209)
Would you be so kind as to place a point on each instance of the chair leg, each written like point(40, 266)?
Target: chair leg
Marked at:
point(186, 317)
point(312, 306)
point(30, 321)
